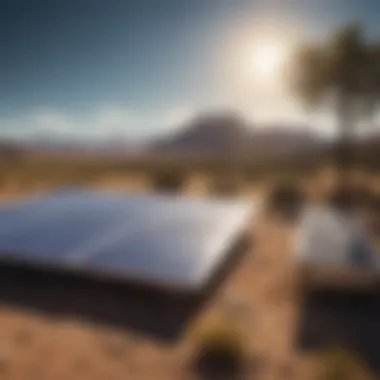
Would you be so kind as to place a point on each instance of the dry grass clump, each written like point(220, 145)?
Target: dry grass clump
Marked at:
point(350, 198)
point(220, 350)
point(168, 182)
point(340, 364)
point(286, 199)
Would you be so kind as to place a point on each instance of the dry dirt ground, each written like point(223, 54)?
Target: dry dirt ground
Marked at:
point(48, 332)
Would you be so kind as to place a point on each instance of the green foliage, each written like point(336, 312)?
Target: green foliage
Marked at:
point(308, 75)
point(344, 70)
point(344, 74)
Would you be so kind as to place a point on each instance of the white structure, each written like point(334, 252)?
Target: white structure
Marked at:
point(333, 251)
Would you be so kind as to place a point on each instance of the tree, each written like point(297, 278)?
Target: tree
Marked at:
point(344, 74)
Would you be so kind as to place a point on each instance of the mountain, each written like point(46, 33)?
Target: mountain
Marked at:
point(228, 134)
point(220, 133)
point(283, 140)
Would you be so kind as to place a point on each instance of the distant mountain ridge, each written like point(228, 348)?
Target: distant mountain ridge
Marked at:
point(229, 134)
point(206, 134)
point(216, 134)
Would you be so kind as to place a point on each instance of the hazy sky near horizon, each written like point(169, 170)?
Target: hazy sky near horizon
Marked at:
point(94, 68)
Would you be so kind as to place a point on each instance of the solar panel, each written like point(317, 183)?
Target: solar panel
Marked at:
point(164, 240)
point(328, 237)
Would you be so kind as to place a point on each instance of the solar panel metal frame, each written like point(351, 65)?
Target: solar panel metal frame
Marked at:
point(236, 230)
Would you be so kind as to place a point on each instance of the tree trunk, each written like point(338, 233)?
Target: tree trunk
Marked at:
point(344, 159)
point(344, 151)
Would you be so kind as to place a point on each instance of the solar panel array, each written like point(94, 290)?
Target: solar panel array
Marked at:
point(167, 241)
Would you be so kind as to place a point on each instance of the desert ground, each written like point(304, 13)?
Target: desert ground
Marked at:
point(66, 329)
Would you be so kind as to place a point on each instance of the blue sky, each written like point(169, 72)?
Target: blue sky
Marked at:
point(94, 68)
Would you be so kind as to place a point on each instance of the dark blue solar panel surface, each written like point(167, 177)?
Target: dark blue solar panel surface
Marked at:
point(165, 240)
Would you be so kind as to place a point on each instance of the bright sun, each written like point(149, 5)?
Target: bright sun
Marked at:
point(267, 59)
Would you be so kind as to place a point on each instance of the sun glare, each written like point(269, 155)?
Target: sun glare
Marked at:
point(260, 58)
point(267, 59)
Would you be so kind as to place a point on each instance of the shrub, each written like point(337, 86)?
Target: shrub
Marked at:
point(375, 227)
point(219, 350)
point(286, 199)
point(349, 198)
point(168, 182)
point(340, 364)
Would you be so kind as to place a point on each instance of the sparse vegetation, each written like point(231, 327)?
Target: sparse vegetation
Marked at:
point(25, 171)
point(227, 186)
point(375, 214)
point(286, 199)
point(220, 350)
point(347, 199)
point(168, 182)
point(355, 198)
point(341, 364)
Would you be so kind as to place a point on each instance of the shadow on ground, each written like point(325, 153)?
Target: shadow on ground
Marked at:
point(143, 310)
point(347, 319)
